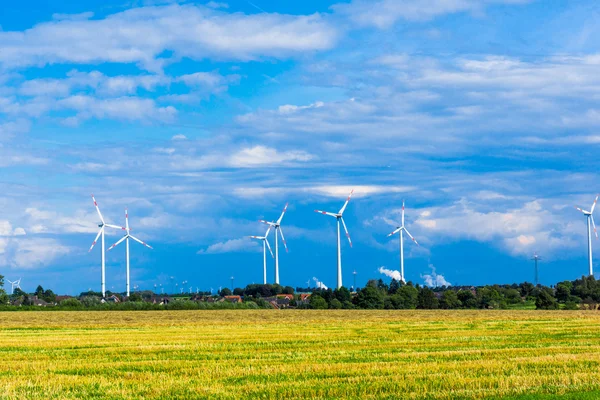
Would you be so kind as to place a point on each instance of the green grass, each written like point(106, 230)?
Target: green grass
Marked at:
point(268, 354)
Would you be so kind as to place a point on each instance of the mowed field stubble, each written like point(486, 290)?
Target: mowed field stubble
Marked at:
point(299, 354)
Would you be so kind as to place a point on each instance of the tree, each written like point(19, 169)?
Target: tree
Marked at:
point(39, 291)
point(317, 302)
point(342, 294)
point(70, 303)
point(238, 291)
point(369, 298)
point(426, 299)
point(49, 296)
point(406, 297)
point(288, 290)
point(225, 292)
point(545, 300)
point(135, 297)
point(394, 286)
point(335, 304)
point(450, 300)
point(563, 291)
point(488, 297)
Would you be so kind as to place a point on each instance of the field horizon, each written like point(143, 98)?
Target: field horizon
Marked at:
point(412, 354)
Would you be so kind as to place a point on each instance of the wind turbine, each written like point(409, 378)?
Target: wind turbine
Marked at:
point(536, 258)
point(401, 229)
point(277, 226)
point(590, 223)
point(102, 225)
point(266, 244)
point(126, 238)
point(14, 285)
point(338, 217)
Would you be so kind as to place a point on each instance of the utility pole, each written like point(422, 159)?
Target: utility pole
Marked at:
point(232, 284)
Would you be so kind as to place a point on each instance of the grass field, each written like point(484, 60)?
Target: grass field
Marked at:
point(300, 354)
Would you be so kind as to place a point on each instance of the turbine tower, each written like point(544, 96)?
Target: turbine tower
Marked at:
point(265, 245)
point(126, 238)
point(401, 229)
point(277, 226)
point(536, 258)
point(590, 223)
point(14, 285)
point(338, 217)
point(102, 225)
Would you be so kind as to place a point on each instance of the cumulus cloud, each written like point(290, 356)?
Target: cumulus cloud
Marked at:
point(141, 35)
point(319, 284)
point(390, 273)
point(231, 246)
point(434, 279)
point(262, 155)
point(384, 13)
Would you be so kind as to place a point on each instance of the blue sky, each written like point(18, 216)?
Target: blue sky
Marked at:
point(204, 117)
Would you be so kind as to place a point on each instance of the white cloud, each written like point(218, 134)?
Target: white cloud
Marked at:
point(232, 246)
point(390, 273)
point(6, 229)
point(141, 35)
point(34, 253)
point(319, 284)
point(434, 279)
point(179, 137)
point(262, 155)
point(384, 13)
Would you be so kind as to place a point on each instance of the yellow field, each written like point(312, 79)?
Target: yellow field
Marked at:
point(299, 354)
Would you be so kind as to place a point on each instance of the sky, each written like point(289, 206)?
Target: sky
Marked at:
point(202, 118)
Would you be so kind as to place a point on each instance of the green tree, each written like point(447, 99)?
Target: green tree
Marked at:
point(450, 300)
point(406, 297)
point(317, 302)
point(39, 291)
point(135, 297)
point(342, 294)
point(335, 304)
point(369, 298)
point(49, 296)
point(426, 299)
point(394, 286)
point(563, 291)
point(225, 292)
point(71, 303)
point(545, 300)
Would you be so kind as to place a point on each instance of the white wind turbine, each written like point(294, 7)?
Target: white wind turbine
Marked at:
point(277, 226)
point(102, 225)
point(266, 244)
point(338, 217)
point(14, 285)
point(126, 238)
point(401, 229)
point(590, 223)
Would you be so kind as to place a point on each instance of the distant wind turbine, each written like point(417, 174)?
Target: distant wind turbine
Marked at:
point(339, 217)
point(126, 238)
point(536, 258)
point(102, 225)
point(14, 285)
point(266, 244)
point(401, 229)
point(277, 226)
point(590, 223)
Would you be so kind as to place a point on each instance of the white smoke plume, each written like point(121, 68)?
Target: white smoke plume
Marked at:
point(435, 280)
point(320, 284)
point(391, 273)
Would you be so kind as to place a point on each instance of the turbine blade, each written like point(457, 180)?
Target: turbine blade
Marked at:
point(402, 212)
point(266, 222)
point(395, 231)
point(283, 212)
point(97, 209)
point(282, 238)
point(96, 240)
point(595, 231)
point(411, 236)
point(583, 211)
point(346, 203)
point(346, 229)
point(326, 213)
point(115, 227)
point(269, 246)
point(267, 232)
point(140, 242)
point(594, 205)
point(116, 244)
point(256, 237)
point(126, 220)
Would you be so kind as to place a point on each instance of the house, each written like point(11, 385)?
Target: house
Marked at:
point(112, 299)
point(233, 299)
point(38, 302)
